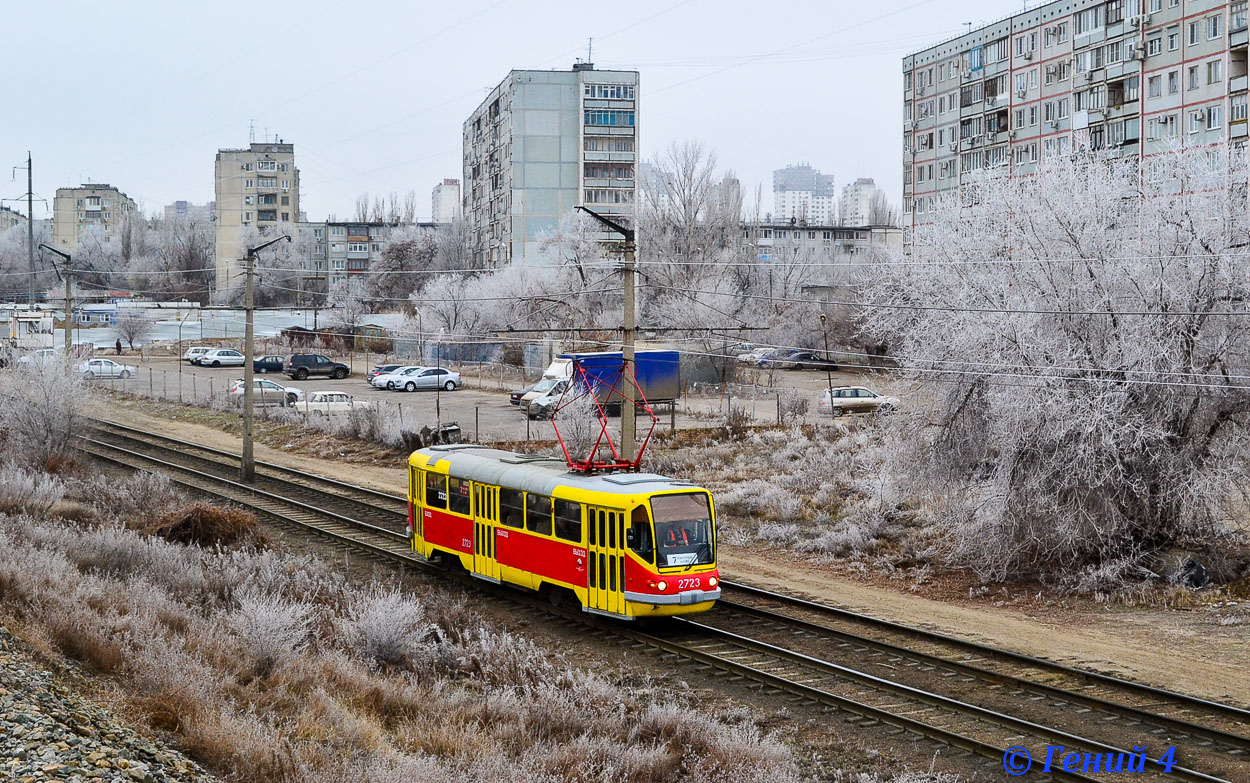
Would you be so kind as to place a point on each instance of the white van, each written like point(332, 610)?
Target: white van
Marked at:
point(559, 368)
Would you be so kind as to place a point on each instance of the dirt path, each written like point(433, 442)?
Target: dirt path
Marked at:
point(1186, 651)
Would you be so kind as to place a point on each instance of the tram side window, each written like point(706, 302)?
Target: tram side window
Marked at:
point(568, 520)
point(458, 495)
point(435, 490)
point(538, 514)
point(512, 507)
point(639, 535)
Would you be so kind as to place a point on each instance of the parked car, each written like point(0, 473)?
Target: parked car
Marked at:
point(537, 390)
point(854, 399)
point(395, 379)
point(431, 378)
point(808, 360)
point(382, 369)
point(266, 364)
point(38, 358)
point(540, 407)
point(266, 392)
point(104, 368)
point(302, 365)
point(776, 359)
point(751, 357)
point(515, 397)
point(221, 357)
point(194, 353)
point(325, 403)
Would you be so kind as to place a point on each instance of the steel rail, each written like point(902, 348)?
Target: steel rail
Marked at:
point(1224, 710)
point(248, 495)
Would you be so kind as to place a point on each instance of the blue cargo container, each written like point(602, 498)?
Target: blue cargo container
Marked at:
point(658, 374)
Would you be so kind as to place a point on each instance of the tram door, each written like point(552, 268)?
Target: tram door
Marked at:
point(605, 567)
point(485, 520)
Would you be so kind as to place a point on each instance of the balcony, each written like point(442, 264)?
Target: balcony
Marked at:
point(1237, 84)
point(1238, 38)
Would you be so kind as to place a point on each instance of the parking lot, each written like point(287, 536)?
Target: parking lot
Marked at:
point(481, 406)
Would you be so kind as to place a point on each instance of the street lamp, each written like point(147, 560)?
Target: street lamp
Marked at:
point(828, 366)
point(247, 466)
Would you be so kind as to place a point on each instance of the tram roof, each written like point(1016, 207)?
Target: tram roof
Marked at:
point(534, 473)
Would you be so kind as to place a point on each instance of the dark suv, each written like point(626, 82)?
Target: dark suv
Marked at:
point(302, 365)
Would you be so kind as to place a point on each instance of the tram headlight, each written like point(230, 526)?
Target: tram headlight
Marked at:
point(712, 581)
point(661, 585)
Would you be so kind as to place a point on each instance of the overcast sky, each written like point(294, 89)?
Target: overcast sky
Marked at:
point(373, 94)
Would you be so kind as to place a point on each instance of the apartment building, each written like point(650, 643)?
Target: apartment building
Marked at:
point(256, 187)
point(10, 219)
point(1126, 77)
point(192, 213)
point(855, 205)
point(353, 248)
point(803, 193)
point(541, 144)
point(774, 240)
point(445, 201)
point(98, 208)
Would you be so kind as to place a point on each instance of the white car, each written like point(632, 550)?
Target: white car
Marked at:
point(429, 378)
point(395, 378)
point(105, 368)
point(324, 403)
point(542, 406)
point(194, 353)
point(540, 389)
point(221, 357)
point(266, 392)
point(39, 358)
point(854, 399)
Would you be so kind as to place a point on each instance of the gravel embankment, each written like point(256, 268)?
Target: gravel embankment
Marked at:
point(49, 733)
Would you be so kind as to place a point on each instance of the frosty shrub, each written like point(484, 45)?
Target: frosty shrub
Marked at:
point(41, 411)
point(26, 491)
point(1085, 338)
point(272, 627)
point(388, 627)
point(793, 406)
point(760, 498)
point(136, 499)
point(579, 426)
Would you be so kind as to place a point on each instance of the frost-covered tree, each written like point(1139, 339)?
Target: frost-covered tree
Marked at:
point(1086, 333)
point(132, 326)
point(350, 303)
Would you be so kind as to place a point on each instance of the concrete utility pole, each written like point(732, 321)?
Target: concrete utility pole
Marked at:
point(247, 466)
point(68, 277)
point(628, 328)
point(30, 230)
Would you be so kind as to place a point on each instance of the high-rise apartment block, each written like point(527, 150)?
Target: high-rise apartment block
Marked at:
point(800, 192)
point(98, 208)
point(1124, 77)
point(256, 188)
point(193, 213)
point(445, 201)
point(855, 205)
point(541, 144)
point(10, 219)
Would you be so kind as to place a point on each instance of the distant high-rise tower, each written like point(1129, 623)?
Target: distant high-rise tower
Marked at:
point(855, 206)
point(257, 186)
point(90, 207)
point(801, 192)
point(542, 143)
point(445, 201)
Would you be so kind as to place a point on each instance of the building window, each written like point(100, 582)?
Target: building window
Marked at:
point(338, 231)
point(1215, 71)
point(267, 198)
point(248, 200)
point(286, 201)
point(609, 118)
point(1088, 20)
point(266, 165)
point(247, 183)
point(1193, 33)
point(609, 196)
point(1174, 82)
point(1154, 45)
point(1215, 26)
point(1215, 117)
point(1154, 87)
point(1174, 38)
point(286, 184)
point(610, 92)
point(1195, 121)
point(1237, 16)
point(286, 217)
point(1156, 5)
point(1238, 112)
point(247, 166)
point(266, 182)
point(358, 247)
point(266, 214)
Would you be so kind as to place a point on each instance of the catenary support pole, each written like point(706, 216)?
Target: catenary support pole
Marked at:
point(628, 421)
point(248, 464)
point(30, 229)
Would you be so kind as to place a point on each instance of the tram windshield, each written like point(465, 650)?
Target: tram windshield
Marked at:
point(683, 529)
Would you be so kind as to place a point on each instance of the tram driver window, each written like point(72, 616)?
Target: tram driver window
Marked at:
point(458, 495)
point(683, 529)
point(568, 520)
point(512, 507)
point(639, 535)
point(435, 490)
point(538, 514)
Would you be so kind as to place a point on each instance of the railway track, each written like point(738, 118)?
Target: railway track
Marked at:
point(910, 682)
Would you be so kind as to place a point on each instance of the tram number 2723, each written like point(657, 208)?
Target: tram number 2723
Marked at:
point(685, 584)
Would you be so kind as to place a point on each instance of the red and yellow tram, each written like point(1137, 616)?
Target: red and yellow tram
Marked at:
point(625, 544)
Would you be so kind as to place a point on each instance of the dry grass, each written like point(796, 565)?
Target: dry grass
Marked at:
point(205, 524)
point(274, 667)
